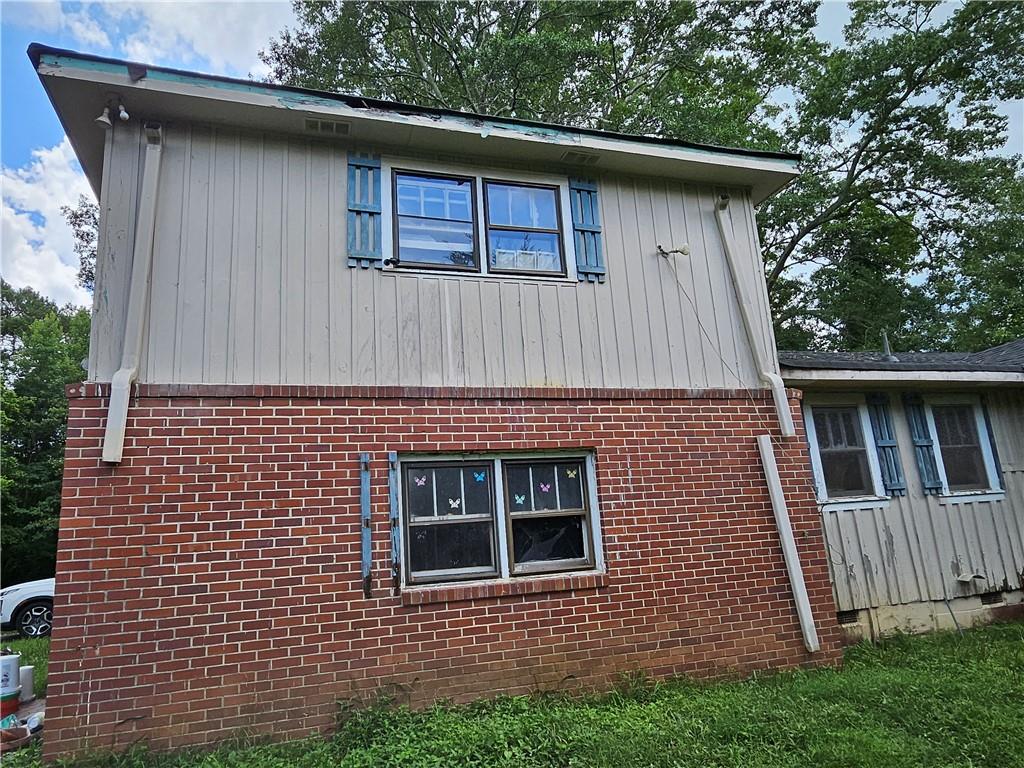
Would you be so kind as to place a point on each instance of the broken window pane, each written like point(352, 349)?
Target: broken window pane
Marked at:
point(957, 430)
point(450, 546)
point(536, 539)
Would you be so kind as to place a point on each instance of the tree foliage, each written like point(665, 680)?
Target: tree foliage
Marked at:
point(84, 220)
point(903, 218)
point(43, 346)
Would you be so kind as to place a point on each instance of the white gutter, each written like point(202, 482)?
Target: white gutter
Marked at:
point(138, 297)
point(798, 376)
point(789, 550)
point(764, 368)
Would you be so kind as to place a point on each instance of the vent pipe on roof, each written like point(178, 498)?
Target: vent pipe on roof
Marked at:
point(138, 298)
point(887, 350)
point(764, 367)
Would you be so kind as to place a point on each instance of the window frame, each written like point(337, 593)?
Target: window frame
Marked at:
point(390, 165)
point(858, 402)
point(502, 529)
point(474, 222)
point(488, 226)
point(984, 443)
point(550, 566)
point(448, 574)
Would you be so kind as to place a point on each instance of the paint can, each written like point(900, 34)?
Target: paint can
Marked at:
point(10, 684)
point(26, 677)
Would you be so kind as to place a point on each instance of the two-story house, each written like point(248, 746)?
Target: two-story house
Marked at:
point(389, 399)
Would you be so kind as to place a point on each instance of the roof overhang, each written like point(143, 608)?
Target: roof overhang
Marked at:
point(803, 377)
point(80, 85)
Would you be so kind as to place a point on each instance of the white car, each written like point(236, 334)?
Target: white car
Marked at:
point(28, 608)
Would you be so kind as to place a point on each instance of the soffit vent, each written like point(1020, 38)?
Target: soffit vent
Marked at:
point(327, 127)
point(580, 158)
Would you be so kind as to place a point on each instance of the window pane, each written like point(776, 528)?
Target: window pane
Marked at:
point(476, 496)
point(528, 251)
point(544, 485)
point(448, 490)
point(450, 546)
point(846, 473)
point(419, 492)
point(432, 241)
point(570, 486)
point(957, 430)
point(515, 206)
point(547, 538)
point(844, 458)
point(434, 197)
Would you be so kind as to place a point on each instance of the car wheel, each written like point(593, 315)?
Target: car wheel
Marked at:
point(34, 619)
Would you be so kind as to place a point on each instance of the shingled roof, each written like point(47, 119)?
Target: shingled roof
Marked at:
point(1007, 357)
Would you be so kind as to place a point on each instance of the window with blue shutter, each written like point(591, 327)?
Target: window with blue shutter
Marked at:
point(586, 224)
point(364, 211)
point(885, 443)
point(924, 447)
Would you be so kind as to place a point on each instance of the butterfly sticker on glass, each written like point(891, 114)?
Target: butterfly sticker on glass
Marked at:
point(520, 499)
point(545, 487)
point(420, 481)
point(571, 472)
point(454, 503)
point(479, 476)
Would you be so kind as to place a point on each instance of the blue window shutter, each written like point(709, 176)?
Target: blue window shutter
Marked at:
point(924, 448)
point(364, 211)
point(885, 443)
point(586, 225)
point(992, 443)
point(396, 545)
point(364, 521)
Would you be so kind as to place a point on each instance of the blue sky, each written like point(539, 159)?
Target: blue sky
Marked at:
point(39, 170)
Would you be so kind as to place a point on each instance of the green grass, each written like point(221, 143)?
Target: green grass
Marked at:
point(938, 700)
point(35, 653)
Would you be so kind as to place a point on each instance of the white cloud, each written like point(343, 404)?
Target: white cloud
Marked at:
point(222, 37)
point(37, 244)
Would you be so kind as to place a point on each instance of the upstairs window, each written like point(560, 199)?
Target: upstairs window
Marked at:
point(497, 517)
point(842, 451)
point(435, 225)
point(523, 228)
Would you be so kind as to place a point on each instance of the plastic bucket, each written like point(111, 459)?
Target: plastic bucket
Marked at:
point(10, 684)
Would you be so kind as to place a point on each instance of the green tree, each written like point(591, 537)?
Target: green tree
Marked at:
point(43, 349)
point(902, 119)
point(898, 121)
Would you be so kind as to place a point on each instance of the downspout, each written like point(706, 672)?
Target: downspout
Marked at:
point(764, 442)
point(764, 368)
point(138, 298)
point(789, 550)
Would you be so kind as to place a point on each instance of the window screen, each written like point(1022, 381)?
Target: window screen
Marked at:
point(523, 228)
point(434, 221)
point(449, 520)
point(957, 430)
point(844, 457)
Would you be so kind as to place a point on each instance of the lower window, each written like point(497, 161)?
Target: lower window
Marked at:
point(491, 517)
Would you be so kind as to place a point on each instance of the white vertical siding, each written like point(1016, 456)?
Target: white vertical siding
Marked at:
point(914, 549)
point(251, 284)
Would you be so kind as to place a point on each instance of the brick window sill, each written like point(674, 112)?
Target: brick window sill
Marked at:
point(527, 585)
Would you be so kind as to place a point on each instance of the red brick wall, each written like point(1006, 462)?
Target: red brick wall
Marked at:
point(210, 583)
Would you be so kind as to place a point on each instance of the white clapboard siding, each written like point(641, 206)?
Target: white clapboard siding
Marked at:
point(251, 284)
point(914, 549)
